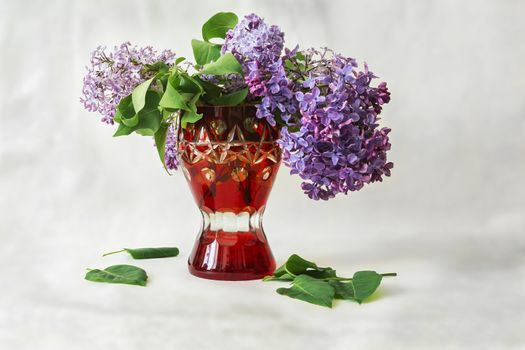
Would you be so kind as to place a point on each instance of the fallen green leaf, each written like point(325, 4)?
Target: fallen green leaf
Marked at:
point(124, 274)
point(343, 290)
point(365, 283)
point(311, 290)
point(149, 253)
point(303, 273)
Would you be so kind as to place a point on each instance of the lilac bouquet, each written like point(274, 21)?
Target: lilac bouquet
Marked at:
point(327, 108)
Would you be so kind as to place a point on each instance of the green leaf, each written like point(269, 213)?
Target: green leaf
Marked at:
point(218, 25)
point(211, 91)
point(302, 273)
point(131, 122)
point(190, 117)
point(172, 99)
point(160, 142)
point(282, 278)
point(311, 290)
point(125, 113)
point(321, 272)
point(279, 271)
point(139, 95)
point(188, 84)
point(123, 130)
point(365, 283)
point(148, 119)
point(125, 274)
point(125, 107)
point(295, 265)
point(145, 132)
point(205, 52)
point(225, 64)
point(157, 67)
point(149, 253)
point(179, 60)
point(343, 290)
point(231, 99)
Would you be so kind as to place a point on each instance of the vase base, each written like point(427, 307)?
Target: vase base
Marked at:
point(227, 276)
point(230, 256)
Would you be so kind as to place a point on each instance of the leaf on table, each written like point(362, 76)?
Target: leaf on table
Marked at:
point(343, 290)
point(321, 272)
point(320, 285)
point(123, 274)
point(295, 265)
point(365, 284)
point(149, 253)
point(311, 290)
point(282, 278)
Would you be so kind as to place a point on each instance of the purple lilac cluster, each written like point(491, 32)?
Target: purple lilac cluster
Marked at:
point(114, 75)
point(339, 146)
point(258, 48)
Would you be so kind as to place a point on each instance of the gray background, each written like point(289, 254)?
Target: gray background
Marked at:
point(450, 220)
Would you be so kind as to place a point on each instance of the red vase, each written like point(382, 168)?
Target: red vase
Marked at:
point(230, 159)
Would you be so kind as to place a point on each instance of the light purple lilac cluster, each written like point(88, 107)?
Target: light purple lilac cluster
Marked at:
point(113, 75)
point(339, 146)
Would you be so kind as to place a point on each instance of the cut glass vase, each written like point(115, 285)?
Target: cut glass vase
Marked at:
point(230, 159)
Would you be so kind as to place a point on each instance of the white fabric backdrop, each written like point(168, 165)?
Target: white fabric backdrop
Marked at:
point(450, 221)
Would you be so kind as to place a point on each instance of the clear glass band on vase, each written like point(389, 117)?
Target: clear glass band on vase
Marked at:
point(230, 159)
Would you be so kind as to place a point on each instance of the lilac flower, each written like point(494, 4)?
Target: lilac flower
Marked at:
point(338, 146)
point(308, 102)
point(170, 156)
point(114, 75)
point(277, 96)
point(253, 40)
point(258, 48)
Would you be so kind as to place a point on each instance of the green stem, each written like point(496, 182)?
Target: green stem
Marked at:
point(116, 252)
point(349, 279)
point(389, 274)
point(337, 279)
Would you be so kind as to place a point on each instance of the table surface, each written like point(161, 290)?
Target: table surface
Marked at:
point(453, 291)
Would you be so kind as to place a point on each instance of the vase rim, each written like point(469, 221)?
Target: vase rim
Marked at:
point(228, 106)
